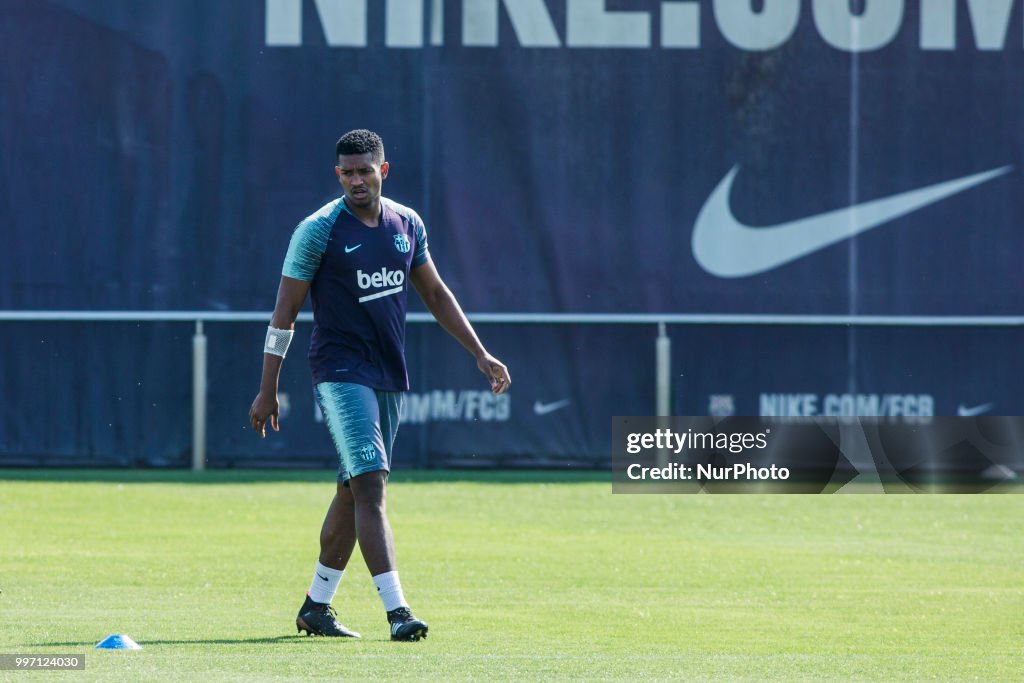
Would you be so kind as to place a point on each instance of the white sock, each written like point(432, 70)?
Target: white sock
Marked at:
point(325, 583)
point(390, 590)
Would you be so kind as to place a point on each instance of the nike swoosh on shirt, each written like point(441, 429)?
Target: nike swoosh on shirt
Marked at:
point(349, 250)
point(725, 247)
point(545, 408)
point(965, 411)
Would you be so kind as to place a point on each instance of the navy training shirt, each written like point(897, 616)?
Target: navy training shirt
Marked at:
point(359, 287)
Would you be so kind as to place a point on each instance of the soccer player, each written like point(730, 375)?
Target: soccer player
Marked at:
point(356, 256)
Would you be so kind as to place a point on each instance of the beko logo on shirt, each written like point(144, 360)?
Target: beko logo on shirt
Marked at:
point(382, 278)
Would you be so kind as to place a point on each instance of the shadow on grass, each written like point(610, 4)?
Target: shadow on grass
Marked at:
point(192, 641)
point(326, 477)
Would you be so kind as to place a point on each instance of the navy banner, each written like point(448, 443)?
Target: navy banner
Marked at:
point(780, 157)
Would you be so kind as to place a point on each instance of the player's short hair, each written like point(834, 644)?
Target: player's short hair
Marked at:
point(361, 141)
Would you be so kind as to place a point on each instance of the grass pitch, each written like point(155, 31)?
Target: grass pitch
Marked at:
point(521, 576)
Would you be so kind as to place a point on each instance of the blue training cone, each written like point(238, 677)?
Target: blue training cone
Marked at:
point(118, 642)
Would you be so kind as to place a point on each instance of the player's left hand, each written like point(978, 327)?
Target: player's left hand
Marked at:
point(496, 372)
point(265, 408)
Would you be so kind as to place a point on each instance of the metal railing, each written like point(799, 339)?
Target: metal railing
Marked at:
point(662, 348)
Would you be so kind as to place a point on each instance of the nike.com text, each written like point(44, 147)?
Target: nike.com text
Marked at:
point(590, 24)
point(845, 405)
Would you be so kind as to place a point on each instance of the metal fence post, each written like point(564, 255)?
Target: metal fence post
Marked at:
point(199, 399)
point(663, 382)
point(663, 372)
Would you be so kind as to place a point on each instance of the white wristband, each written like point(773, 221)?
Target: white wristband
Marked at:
point(278, 341)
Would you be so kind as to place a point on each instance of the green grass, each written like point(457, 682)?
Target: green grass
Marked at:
point(521, 576)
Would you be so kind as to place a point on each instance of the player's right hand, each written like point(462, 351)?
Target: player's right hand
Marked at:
point(264, 407)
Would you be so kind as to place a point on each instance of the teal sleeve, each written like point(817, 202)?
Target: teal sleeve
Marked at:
point(307, 247)
point(422, 254)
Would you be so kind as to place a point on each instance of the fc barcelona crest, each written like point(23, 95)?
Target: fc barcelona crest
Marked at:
point(367, 453)
point(402, 244)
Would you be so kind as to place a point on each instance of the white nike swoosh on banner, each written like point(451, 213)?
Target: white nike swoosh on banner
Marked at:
point(545, 408)
point(964, 411)
point(727, 248)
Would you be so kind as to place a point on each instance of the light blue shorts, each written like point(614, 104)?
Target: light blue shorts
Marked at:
point(363, 423)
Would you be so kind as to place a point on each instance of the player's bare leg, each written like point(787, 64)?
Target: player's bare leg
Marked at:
point(371, 521)
point(377, 545)
point(337, 540)
point(338, 533)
